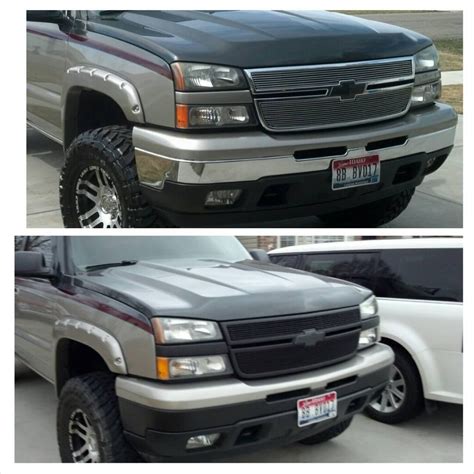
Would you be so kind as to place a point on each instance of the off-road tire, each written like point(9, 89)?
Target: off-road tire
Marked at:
point(413, 403)
point(328, 434)
point(94, 394)
point(110, 148)
point(373, 214)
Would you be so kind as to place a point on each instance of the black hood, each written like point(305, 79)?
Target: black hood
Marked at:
point(221, 291)
point(259, 38)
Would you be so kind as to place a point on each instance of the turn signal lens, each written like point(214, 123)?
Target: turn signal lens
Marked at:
point(212, 116)
point(186, 367)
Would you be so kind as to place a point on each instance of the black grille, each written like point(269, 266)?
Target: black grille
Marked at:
point(289, 326)
point(280, 359)
point(266, 347)
point(311, 77)
point(313, 113)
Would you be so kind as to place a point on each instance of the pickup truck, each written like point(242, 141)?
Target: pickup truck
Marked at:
point(198, 118)
point(172, 347)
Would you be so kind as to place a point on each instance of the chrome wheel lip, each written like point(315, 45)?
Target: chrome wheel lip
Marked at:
point(394, 394)
point(83, 439)
point(97, 200)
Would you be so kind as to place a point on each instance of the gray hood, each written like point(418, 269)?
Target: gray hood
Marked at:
point(221, 291)
point(258, 38)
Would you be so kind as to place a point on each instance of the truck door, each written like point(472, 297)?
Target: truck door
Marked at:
point(35, 312)
point(46, 62)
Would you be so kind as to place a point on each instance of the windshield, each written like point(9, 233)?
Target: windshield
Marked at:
point(90, 250)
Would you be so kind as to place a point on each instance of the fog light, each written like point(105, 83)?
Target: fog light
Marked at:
point(223, 197)
point(368, 337)
point(202, 441)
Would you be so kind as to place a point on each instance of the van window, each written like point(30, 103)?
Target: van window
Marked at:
point(424, 274)
point(354, 267)
point(285, 260)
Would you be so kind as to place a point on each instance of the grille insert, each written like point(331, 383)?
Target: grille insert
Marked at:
point(286, 358)
point(311, 77)
point(289, 326)
point(265, 347)
point(316, 113)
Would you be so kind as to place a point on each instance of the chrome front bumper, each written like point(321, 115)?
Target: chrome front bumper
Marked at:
point(196, 395)
point(248, 156)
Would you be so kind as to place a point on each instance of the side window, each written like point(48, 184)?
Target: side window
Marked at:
point(354, 267)
point(285, 260)
point(42, 244)
point(424, 274)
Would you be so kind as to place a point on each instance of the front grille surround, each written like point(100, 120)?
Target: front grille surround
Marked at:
point(305, 98)
point(264, 347)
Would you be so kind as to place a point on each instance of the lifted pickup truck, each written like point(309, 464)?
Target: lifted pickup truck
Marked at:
point(193, 118)
point(185, 347)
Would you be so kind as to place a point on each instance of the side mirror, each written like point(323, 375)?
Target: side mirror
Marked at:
point(260, 255)
point(47, 16)
point(31, 264)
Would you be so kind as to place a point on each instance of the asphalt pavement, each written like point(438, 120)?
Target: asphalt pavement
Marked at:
point(427, 438)
point(436, 203)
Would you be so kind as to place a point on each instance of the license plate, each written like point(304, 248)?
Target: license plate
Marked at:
point(352, 172)
point(316, 409)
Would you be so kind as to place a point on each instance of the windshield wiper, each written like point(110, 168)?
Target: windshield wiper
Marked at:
point(100, 266)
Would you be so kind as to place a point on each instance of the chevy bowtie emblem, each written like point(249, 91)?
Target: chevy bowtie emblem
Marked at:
point(348, 90)
point(308, 338)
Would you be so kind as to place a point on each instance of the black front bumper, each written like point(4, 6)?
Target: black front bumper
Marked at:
point(287, 196)
point(243, 426)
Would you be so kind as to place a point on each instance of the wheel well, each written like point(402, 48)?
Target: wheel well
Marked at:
point(397, 346)
point(88, 109)
point(74, 358)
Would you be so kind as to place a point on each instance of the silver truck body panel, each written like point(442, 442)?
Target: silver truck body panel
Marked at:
point(44, 315)
point(51, 53)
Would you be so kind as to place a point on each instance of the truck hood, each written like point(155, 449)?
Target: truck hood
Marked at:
point(221, 291)
point(259, 38)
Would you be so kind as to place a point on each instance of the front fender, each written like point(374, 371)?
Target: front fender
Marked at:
point(110, 84)
point(96, 338)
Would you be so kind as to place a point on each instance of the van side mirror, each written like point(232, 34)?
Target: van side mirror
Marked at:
point(47, 16)
point(260, 255)
point(31, 264)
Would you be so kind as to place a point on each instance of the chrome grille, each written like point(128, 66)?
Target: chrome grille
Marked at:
point(311, 113)
point(335, 95)
point(310, 77)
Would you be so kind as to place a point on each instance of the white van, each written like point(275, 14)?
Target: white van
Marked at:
point(418, 283)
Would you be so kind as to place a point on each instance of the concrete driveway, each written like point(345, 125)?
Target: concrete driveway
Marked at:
point(428, 438)
point(437, 202)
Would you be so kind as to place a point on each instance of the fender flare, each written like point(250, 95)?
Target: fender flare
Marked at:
point(94, 337)
point(108, 83)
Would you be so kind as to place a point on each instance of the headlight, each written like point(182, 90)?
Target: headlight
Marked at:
point(427, 60)
point(190, 367)
point(189, 77)
point(368, 308)
point(368, 337)
point(176, 330)
point(213, 116)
